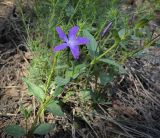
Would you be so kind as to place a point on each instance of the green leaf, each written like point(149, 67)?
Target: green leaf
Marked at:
point(34, 90)
point(105, 78)
point(15, 131)
point(61, 81)
point(44, 129)
point(92, 46)
point(85, 95)
point(116, 36)
point(135, 38)
point(115, 64)
point(58, 67)
point(58, 91)
point(79, 69)
point(97, 98)
point(122, 33)
point(76, 71)
point(69, 73)
point(54, 108)
point(141, 23)
point(26, 112)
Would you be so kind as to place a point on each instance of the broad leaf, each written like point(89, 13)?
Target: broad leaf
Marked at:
point(54, 108)
point(92, 46)
point(34, 90)
point(57, 91)
point(105, 78)
point(44, 129)
point(61, 81)
point(115, 64)
point(15, 131)
point(122, 33)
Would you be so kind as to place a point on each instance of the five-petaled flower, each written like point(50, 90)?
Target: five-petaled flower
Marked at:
point(72, 41)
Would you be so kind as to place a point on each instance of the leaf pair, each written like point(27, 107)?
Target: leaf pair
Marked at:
point(38, 92)
point(17, 131)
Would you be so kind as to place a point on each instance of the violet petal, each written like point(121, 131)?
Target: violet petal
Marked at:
point(81, 41)
point(75, 51)
point(72, 33)
point(61, 34)
point(60, 47)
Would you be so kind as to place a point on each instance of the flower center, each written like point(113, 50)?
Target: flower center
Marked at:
point(71, 42)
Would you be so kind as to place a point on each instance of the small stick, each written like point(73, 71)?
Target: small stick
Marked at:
point(7, 114)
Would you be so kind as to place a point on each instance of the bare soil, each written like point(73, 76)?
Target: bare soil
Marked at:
point(13, 65)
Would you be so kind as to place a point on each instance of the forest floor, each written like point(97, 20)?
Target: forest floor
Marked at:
point(13, 65)
point(137, 93)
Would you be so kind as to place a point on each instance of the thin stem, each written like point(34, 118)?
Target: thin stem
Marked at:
point(146, 46)
point(51, 75)
point(40, 111)
point(46, 99)
point(106, 52)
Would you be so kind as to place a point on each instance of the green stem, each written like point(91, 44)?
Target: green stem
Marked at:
point(40, 111)
point(46, 99)
point(106, 52)
point(51, 75)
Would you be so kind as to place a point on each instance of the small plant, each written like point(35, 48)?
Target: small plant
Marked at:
point(46, 97)
point(108, 45)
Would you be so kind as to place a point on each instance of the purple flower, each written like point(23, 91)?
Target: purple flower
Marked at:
point(72, 41)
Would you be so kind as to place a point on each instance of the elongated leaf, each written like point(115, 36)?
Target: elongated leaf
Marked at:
point(15, 131)
point(34, 90)
point(26, 112)
point(114, 63)
point(61, 67)
point(61, 81)
point(116, 36)
point(54, 108)
point(58, 91)
point(43, 129)
point(92, 46)
point(141, 23)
